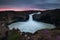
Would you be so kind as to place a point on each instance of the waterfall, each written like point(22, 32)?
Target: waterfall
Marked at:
point(31, 25)
point(30, 16)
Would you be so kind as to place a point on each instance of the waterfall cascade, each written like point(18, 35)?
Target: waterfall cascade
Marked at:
point(30, 25)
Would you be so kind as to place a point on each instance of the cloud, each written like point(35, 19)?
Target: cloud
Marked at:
point(31, 3)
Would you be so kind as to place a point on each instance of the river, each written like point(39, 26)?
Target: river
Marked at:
point(30, 25)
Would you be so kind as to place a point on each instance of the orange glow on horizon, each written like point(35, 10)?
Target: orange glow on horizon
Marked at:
point(20, 9)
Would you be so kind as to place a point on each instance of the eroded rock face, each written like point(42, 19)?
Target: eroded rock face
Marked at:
point(21, 17)
point(49, 16)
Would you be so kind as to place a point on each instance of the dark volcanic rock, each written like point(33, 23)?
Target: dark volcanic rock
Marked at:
point(36, 17)
point(13, 16)
point(49, 16)
point(21, 17)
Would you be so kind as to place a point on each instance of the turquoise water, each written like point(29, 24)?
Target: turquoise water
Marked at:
point(30, 25)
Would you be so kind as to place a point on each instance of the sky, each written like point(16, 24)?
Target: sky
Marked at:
point(29, 4)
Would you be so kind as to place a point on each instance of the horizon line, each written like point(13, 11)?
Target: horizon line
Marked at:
point(21, 9)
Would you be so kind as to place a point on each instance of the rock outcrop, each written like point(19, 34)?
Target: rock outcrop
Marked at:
point(49, 16)
point(21, 17)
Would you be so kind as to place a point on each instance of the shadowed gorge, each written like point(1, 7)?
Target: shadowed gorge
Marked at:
point(30, 25)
